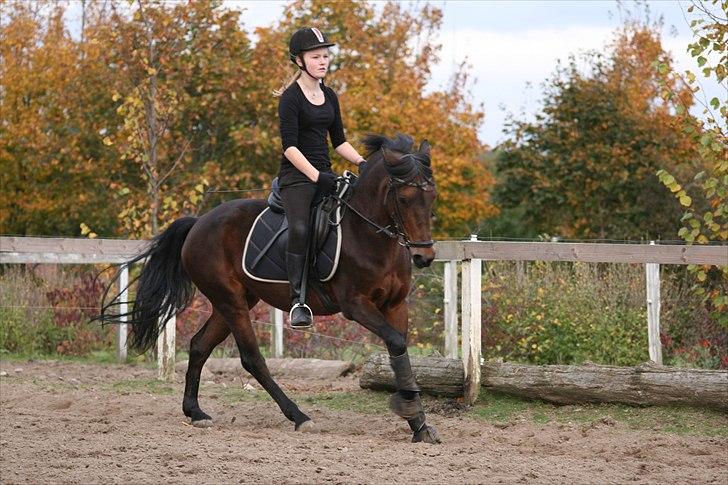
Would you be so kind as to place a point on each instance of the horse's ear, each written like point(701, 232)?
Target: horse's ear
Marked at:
point(424, 150)
point(391, 157)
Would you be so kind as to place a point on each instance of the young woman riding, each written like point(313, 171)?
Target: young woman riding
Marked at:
point(307, 111)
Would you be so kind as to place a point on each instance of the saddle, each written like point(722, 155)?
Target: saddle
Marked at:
point(264, 256)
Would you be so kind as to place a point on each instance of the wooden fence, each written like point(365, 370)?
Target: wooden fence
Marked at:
point(470, 254)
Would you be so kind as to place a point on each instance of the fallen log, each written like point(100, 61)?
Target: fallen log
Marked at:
point(287, 367)
point(646, 384)
point(435, 375)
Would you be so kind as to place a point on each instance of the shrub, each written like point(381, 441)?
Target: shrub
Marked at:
point(563, 313)
point(45, 309)
point(555, 313)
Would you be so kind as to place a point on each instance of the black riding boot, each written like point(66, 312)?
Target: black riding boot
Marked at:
point(301, 315)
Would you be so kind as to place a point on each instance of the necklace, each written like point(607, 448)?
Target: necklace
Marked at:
point(310, 94)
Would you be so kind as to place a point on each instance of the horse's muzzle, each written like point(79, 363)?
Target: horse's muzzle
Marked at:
point(422, 261)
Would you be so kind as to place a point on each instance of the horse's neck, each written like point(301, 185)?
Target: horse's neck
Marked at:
point(368, 196)
point(368, 199)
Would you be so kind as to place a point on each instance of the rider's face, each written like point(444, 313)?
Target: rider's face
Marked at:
point(317, 62)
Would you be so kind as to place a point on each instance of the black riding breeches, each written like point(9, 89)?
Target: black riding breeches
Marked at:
point(297, 202)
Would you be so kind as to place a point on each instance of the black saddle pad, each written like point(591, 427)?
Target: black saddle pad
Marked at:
point(264, 257)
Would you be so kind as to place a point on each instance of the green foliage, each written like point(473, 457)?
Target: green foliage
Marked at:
point(45, 311)
point(668, 419)
point(585, 167)
point(26, 320)
point(706, 212)
point(564, 314)
point(29, 332)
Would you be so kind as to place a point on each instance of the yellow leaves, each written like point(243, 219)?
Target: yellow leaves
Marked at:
point(108, 141)
point(685, 200)
point(86, 231)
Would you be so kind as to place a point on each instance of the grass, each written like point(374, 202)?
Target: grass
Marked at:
point(151, 386)
point(99, 357)
point(680, 420)
point(499, 408)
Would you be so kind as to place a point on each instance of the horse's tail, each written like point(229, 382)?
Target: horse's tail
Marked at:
point(164, 287)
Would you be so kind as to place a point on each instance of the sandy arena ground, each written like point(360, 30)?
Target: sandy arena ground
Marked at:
point(80, 423)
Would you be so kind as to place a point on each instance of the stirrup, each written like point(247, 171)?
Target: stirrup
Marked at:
point(304, 324)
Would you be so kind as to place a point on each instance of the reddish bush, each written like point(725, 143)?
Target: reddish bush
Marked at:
point(73, 308)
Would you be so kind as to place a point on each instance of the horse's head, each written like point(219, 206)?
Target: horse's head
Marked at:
point(410, 193)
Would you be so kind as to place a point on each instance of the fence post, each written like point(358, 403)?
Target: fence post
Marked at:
point(450, 307)
point(276, 318)
point(471, 322)
point(652, 276)
point(122, 329)
point(165, 350)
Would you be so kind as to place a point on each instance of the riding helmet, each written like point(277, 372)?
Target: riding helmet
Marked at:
point(306, 39)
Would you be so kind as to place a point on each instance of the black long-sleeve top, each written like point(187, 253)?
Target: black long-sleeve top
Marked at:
point(304, 125)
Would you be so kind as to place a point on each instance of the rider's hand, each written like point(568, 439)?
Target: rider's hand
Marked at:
point(326, 183)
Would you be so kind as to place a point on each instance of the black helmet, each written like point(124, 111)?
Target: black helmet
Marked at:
point(307, 39)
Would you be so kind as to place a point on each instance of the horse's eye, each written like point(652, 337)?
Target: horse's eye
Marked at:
point(402, 200)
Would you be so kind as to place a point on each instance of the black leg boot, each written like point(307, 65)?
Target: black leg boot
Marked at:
point(301, 315)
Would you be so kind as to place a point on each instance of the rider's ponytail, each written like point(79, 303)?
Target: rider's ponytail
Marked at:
point(288, 83)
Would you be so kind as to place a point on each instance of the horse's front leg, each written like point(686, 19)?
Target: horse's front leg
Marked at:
point(391, 326)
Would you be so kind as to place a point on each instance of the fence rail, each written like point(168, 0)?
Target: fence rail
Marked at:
point(470, 254)
point(581, 252)
point(70, 250)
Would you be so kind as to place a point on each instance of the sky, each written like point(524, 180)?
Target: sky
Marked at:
point(513, 46)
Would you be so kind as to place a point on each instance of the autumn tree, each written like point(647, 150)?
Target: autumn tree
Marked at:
point(50, 149)
point(705, 194)
point(181, 80)
point(160, 105)
point(585, 168)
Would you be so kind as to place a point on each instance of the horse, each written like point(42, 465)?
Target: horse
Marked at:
point(386, 228)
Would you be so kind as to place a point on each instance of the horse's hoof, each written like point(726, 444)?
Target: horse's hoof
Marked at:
point(202, 423)
point(428, 434)
point(307, 427)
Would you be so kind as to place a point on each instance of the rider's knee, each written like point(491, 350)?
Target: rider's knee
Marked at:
point(298, 229)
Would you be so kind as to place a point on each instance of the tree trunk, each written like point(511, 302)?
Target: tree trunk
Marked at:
point(646, 384)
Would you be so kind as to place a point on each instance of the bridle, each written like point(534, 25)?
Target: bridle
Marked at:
point(399, 233)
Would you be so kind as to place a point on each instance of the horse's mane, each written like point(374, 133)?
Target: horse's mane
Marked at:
point(418, 163)
point(400, 143)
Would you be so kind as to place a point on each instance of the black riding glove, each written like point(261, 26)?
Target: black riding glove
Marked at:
point(326, 183)
point(362, 166)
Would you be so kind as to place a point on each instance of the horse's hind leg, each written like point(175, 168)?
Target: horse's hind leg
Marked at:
point(239, 320)
point(205, 340)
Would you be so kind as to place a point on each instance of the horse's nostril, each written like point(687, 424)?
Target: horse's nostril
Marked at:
point(421, 261)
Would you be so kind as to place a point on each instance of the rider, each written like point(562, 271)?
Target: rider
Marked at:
point(307, 110)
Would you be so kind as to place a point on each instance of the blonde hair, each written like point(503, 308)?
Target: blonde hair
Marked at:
point(288, 83)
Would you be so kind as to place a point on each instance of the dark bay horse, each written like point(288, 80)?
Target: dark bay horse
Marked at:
point(386, 227)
